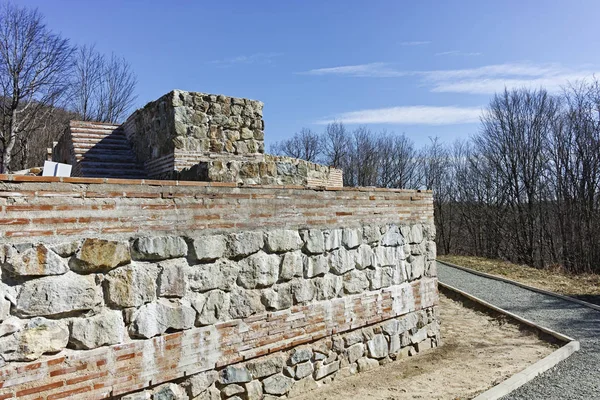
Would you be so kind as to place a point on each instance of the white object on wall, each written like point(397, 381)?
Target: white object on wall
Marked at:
point(52, 168)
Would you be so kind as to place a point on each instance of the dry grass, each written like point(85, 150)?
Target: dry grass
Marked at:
point(584, 286)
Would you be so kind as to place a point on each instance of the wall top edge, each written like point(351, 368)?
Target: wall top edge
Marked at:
point(153, 182)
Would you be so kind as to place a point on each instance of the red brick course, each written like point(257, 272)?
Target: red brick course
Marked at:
point(42, 209)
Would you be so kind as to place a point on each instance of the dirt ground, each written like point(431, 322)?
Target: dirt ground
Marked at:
point(582, 286)
point(478, 352)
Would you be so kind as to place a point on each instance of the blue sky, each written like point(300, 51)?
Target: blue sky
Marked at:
point(424, 68)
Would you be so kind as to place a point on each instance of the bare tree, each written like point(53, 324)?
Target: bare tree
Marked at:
point(117, 88)
point(336, 145)
point(102, 90)
point(87, 78)
point(398, 161)
point(514, 135)
point(34, 71)
point(305, 145)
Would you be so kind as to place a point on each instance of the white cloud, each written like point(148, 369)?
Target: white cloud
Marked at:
point(458, 53)
point(415, 43)
point(409, 115)
point(487, 79)
point(372, 70)
point(494, 78)
point(256, 58)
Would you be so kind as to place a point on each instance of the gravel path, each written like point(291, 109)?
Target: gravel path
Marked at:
point(578, 377)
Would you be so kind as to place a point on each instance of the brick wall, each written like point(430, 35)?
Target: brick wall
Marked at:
point(112, 287)
point(71, 207)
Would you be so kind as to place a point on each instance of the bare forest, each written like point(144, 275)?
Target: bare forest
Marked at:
point(45, 81)
point(525, 187)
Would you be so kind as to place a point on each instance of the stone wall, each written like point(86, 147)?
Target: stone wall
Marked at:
point(205, 137)
point(194, 127)
point(195, 290)
point(273, 170)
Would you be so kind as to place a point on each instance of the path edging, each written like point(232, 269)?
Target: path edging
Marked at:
point(520, 378)
point(522, 285)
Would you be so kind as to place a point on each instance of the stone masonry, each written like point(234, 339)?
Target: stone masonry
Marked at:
point(189, 290)
point(187, 136)
point(198, 136)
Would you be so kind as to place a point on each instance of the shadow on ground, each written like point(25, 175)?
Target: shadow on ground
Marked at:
point(590, 298)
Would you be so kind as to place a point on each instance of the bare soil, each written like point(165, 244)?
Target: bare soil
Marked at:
point(478, 352)
point(582, 286)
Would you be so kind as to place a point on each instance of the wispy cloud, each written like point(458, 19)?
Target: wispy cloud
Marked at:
point(415, 43)
point(486, 79)
point(458, 53)
point(372, 70)
point(409, 115)
point(494, 78)
point(256, 58)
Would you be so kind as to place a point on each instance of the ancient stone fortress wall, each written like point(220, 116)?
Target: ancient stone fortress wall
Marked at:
point(198, 136)
point(197, 290)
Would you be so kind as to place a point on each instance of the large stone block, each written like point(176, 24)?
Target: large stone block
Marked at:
point(207, 248)
point(36, 260)
point(198, 383)
point(131, 286)
point(278, 384)
point(355, 352)
point(301, 354)
point(159, 248)
point(342, 260)
point(259, 270)
point(55, 295)
point(322, 370)
point(266, 366)
point(245, 243)
point(282, 240)
point(156, 318)
point(212, 307)
point(254, 390)
point(417, 267)
point(413, 234)
point(333, 239)
point(391, 237)
point(98, 255)
point(35, 337)
point(328, 287)
point(173, 278)
point(303, 290)
point(278, 298)
point(371, 234)
point(219, 275)
point(355, 282)
point(304, 369)
point(365, 257)
point(291, 265)
point(11, 325)
point(388, 256)
point(381, 277)
point(314, 241)
point(315, 265)
point(378, 347)
point(352, 237)
point(245, 302)
point(102, 329)
point(431, 250)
